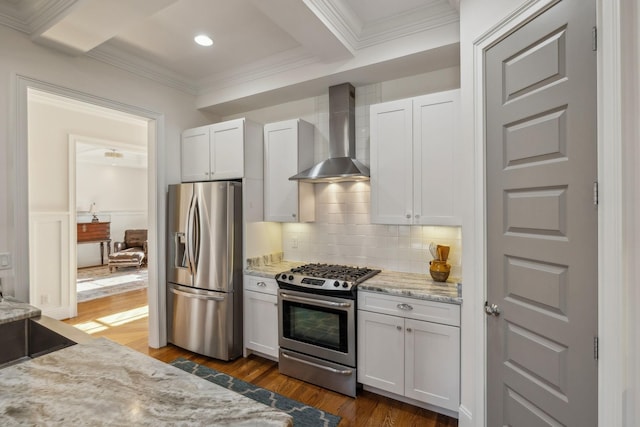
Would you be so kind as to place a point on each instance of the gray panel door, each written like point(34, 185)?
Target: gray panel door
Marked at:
point(542, 222)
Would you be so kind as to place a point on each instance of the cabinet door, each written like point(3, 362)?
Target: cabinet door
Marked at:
point(281, 162)
point(432, 363)
point(261, 323)
point(435, 151)
point(381, 351)
point(391, 160)
point(227, 150)
point(195, 154)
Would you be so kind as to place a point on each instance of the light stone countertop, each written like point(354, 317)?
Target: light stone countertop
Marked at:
point(269, 271)
point(413, 285)
point(11, 309)
point(101, 383)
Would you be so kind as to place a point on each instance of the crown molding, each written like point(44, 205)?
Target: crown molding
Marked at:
point(343, 22)
point(419, 20)
point(146, 69)
point(31, 19)
point(340, 20)
point(280, 63)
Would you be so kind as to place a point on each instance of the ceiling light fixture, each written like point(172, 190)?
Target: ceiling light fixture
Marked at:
point(203, 40)
point(113, 154)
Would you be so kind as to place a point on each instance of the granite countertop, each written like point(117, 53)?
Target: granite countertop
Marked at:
point(413, 285)
point(104, 383)
point(11, 309)
point(269, 271)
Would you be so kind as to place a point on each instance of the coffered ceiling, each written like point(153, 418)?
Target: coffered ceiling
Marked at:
point(264, 51)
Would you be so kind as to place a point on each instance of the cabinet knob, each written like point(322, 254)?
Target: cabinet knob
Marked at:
point(293, 215)
point(417, 216)
point(261, 284)
point(408, 216)
point(399, 328)
point(406, 307)
point(408, 329)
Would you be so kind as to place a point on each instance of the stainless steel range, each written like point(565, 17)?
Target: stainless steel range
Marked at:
point(317, 324)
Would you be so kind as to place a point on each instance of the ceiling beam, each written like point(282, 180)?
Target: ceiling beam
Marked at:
point(307, 26)
point(88, 24)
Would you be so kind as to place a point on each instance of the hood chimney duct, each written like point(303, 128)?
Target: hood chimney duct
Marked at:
point(341, 164)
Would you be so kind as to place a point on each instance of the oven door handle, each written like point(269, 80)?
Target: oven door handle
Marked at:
point(313, 301)
point(344, 372)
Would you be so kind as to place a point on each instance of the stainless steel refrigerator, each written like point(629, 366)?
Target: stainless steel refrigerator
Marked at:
point(204, 274)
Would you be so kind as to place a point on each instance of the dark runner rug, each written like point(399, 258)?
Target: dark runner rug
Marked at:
point(303, 415)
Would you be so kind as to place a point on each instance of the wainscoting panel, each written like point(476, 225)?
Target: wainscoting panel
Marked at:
point(50, 276)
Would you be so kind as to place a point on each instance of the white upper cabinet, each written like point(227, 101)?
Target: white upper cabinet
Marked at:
point(414, 145)
point(214, 152)
point(288, 149)
point(195, 154)
point(391, 137)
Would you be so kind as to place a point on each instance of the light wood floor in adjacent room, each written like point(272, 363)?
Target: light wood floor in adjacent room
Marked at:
point(123, 319)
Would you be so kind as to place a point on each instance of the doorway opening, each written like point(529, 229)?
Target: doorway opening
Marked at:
point(53, 259)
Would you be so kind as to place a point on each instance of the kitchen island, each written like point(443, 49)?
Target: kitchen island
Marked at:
point(99, 382)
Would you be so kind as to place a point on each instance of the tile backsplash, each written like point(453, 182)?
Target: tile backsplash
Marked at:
point(343, 234)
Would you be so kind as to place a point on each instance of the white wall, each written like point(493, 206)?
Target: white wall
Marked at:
point(342, 232)
point(86, 76)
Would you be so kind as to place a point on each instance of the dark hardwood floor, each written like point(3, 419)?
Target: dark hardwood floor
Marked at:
point(122, 318)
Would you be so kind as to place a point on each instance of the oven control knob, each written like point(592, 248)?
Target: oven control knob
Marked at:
point(345, 285)
point(290, 277)
point(336, 283)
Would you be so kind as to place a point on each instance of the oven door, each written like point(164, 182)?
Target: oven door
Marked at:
point(317, 325)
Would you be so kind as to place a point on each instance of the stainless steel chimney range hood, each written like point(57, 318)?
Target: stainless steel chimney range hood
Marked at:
point(341, 164)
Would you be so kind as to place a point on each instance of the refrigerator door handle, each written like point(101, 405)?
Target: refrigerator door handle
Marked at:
point(196, 296)
point(230, 234)
point(190, 236)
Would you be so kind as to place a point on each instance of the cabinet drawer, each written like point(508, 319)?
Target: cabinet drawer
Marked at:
point(410, 308)
point(260, 284)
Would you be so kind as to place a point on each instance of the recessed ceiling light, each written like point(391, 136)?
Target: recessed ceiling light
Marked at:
point(203, 40)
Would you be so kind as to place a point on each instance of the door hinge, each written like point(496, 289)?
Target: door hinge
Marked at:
point(595, 348)
point(594, 39)
point(595, 193)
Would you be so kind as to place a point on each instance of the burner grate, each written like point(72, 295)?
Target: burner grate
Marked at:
point(336, 272)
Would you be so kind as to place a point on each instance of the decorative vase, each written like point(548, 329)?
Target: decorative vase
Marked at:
point(439, 270)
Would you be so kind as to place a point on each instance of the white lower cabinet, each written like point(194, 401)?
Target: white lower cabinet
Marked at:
point(261, 316)
point(410, 358)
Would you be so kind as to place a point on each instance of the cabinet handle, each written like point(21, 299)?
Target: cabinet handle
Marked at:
point(408, 216)
point(417, 216)
point(293, 215)
point(408, 329)
point(405, 307)
point(399, 328)
point(264, 285)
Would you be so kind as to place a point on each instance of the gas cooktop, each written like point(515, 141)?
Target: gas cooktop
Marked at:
point(325, 276)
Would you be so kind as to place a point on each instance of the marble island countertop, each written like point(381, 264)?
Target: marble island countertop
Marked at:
point(103, 383)
point(11, 309)
point(414, 285)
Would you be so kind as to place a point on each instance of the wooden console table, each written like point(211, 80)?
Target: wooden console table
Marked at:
point(96, 232)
